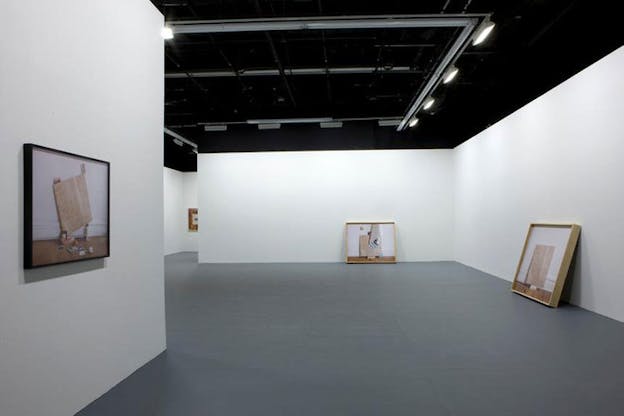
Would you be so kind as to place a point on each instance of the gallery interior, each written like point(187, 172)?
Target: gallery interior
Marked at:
point(311, 207)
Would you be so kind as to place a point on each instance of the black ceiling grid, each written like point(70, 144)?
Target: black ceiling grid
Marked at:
point(535, 46)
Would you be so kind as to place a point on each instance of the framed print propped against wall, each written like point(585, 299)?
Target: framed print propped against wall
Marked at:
point(193, 219)
point(545, 261)
point(371, 242)
point(66, 207)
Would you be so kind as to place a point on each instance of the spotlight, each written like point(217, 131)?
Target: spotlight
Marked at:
point(166, 32)
point(483, 32)
point(450, 74)
point(178, 142)
point(429, 103)
point(413, 122)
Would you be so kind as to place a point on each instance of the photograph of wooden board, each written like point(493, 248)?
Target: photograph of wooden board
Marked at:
point(66, 207)
point(545, 261)
point(370, 242)
point(193, 221)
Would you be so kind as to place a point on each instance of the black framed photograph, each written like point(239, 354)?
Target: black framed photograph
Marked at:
point(66, 207)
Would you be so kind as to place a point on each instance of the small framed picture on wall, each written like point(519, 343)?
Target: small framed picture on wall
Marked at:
point(545, 261)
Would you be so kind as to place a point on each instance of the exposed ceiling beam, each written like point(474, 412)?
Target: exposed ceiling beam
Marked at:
point(323, 23)
point(293, 71)
point(179, 137)
point(467, 22)
point(276, 59)
point(461, 42)
point(395, 120)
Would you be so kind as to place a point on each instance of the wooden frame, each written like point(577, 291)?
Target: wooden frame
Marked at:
point(67, 232)
point(193, 223)
point(541, 276)
point(367, 251)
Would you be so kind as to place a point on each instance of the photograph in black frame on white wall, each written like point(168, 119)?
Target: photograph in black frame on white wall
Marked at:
point(66, 207)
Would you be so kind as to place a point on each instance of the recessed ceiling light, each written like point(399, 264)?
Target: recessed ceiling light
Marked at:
point(291, 120)
point(178, 142)
point(483, 33)
point(269, 126)
point(166, 32)
point(215, 127)
point(429, 103)
point(450, 74)
point(331, 125)
point(389, 122)
point(413, 122)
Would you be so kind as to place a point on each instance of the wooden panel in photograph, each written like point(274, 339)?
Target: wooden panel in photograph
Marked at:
point(72, 203)
point(369, 248)
point(532, 285)
point(540, 263)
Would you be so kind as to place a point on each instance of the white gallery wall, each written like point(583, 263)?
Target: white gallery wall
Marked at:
point(174, 215)
point(558, 159)
point(180, 194)
point(85, 77)
point(292, 206)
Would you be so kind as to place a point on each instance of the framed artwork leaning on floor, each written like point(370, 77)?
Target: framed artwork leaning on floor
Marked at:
point(371, 242)
point(545, 261)
point(66, 207)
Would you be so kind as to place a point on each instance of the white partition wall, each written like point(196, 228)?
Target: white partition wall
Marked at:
point(84, 77)
point(292, 206)
point(558, 159)
point(180, 194)
point(175, 220)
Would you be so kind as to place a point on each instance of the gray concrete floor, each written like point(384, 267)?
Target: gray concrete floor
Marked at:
point(336, 339)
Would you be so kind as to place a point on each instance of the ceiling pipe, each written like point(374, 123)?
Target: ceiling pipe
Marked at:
point(179, 137)
point(322, 23)
point(460, 44)
point(468, 23)
point(293, 71)
point(310, 120)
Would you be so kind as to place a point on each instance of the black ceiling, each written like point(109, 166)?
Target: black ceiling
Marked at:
point(536, 45)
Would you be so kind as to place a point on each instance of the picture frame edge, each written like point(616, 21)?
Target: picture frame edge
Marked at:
point(346, 240)
point(27, 235)
point(569, 251)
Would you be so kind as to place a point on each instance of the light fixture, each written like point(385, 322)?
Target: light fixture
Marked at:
point(389, 122)
point(166, 32)
point(450, 75)
point(215, 127)
point(483, 32)
point(331, 125)
point(291, 120)
point(178, 142)
point(413, 122)
point(269, 126)
point(429, 103)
